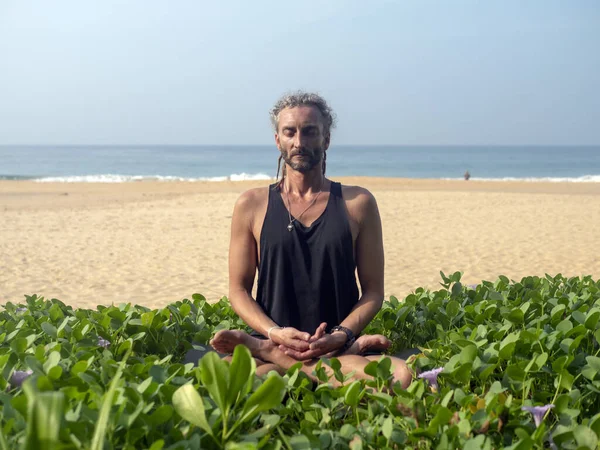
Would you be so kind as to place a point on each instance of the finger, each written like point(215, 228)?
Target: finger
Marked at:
point(303, 336)
point(321, 343)
point(319, 333)
point(296, 354)
point(301, 356)
point(296, 344)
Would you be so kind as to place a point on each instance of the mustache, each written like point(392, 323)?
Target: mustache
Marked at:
point(302, 153)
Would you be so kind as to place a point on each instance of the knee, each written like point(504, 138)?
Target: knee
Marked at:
point(266, 368)
point(402, 374)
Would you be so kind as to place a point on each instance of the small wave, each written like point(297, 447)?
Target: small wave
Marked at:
point(113, 178)
point(581, 179)
point(16, 177)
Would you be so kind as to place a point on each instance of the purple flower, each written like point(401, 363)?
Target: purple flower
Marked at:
point(472, 286)
point(431, 376)
point(103, 343)
point(19, 376)
point(20, 310)
point(537, 412)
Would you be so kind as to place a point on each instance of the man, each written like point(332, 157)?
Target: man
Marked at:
point(306, 235)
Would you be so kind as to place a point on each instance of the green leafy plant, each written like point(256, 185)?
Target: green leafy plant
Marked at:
point(491, 360)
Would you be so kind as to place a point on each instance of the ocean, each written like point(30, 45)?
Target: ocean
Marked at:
point(218, 163)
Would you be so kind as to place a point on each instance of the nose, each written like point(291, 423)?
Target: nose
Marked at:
point(298, 139)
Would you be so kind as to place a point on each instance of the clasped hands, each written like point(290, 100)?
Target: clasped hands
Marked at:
point(302, 346)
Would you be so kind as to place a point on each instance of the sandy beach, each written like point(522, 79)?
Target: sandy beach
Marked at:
point(153, 243)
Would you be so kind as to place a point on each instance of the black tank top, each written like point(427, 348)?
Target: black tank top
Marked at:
point(307, 276)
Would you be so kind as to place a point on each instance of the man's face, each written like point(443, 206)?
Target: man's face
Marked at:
point(300, 137)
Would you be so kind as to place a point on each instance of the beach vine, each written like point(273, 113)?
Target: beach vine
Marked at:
point(502, 364)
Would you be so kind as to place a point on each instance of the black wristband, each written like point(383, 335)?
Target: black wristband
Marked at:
point(349, 336)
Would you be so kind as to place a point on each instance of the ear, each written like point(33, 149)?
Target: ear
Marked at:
point(326, 142)
point(277, 142)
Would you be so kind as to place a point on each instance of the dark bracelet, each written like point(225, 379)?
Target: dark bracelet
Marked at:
point(349, 336)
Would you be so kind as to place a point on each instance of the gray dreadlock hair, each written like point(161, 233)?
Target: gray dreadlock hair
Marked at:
point(301, 98)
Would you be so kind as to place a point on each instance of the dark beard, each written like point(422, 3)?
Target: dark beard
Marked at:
point(311, 159)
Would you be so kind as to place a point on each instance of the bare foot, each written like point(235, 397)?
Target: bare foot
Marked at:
point(369, 342)
point(225, 341)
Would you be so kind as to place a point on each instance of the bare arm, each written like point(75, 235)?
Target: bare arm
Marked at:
point(369, 264)
point(242, 266)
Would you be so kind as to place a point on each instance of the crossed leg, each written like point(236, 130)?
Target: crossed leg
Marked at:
point(272, 358)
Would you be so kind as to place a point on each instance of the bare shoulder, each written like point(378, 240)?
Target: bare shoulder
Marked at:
point(360, 202)
point(251, 203)
point(252, 198)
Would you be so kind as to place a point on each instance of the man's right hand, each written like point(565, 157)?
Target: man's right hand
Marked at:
point(291, 338)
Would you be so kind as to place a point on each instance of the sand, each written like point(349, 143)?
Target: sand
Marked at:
point(153, 243)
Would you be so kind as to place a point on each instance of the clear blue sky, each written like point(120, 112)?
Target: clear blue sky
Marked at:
point(207, 72)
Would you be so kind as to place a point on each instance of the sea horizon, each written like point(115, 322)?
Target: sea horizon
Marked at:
point(128, 163)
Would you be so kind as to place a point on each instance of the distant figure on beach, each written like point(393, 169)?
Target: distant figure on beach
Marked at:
point(467, 175)
point(306, 235)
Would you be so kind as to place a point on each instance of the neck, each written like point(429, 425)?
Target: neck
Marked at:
point(303, 183)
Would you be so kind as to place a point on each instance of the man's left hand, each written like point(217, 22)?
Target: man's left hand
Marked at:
point(321, 344)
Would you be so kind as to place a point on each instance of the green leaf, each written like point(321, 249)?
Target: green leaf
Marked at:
point(44, 418)
point(241, 374)
point(447, 398)
point(452, 308)
point(19, 345)
point(594, 363)
point(157, 445)
point(107, 401)
point(468, 354)
point(52, 360)
point(595, 424)
point(585, 437)
point(214, 375)
point(267, 396)
point(562, 434)
point(444, 277)
point(540, 361)
point(124, 346)
point(507, 346)
point(78, 367)
point(189, 405)
point(371, 369)
point(566, 380)
point(387, 428)
point(442, 417)
point(516, 316)
point(384, 366)
point(352, 393)
point(578, 316)
point(299, 442)
point(456, 288)
point(49, 329)
point(335, 364)
point(148, 318)
point(525, 443)
point(480, 442)
point(561, 362)
point(592, 318)
point(3, 443)
point(557, 312)
point(185, 309)
point(381, 397)
point(162, 414)
point(55, 373)
point(564, 326)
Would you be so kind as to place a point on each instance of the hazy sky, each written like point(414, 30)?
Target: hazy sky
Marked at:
point(207, 72)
